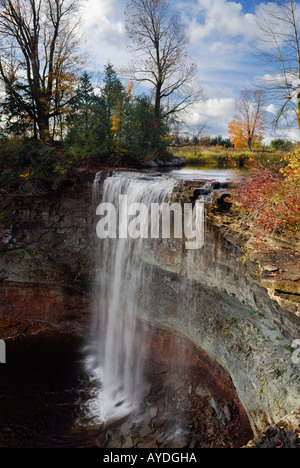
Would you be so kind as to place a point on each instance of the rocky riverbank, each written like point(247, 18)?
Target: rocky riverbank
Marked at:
point(276, 257)
point(177, 413)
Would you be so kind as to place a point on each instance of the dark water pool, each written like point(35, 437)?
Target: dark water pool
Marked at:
point(47, 400)
point(44, 387)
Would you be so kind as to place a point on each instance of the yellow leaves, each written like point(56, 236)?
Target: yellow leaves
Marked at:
point(237, 134)
point(240, 134)
point(292, 169)
point(116, 124)
point(25, 176)
point(169, 139)
point(60, 170)
point(129, 92)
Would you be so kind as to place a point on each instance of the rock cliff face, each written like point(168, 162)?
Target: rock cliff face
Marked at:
point(63, 307)
point(45, 260)
point(208, 295)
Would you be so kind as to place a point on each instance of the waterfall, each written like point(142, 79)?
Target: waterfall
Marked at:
point(95, 188)
point(122, 286)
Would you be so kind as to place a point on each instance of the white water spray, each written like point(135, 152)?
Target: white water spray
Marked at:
point(119, 342)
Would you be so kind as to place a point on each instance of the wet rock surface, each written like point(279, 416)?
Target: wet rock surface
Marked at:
point(176, 413)
point(284, 434)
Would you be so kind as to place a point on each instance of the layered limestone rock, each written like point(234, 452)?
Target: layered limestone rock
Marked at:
point(62, 307)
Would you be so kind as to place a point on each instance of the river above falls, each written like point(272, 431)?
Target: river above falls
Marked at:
point(205, 172)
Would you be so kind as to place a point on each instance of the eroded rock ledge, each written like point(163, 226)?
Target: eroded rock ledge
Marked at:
point(274, 258)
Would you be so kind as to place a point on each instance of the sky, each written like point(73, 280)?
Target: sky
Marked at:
point(221, 38)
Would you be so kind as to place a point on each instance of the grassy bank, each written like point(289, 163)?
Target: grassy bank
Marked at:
point(197, 155)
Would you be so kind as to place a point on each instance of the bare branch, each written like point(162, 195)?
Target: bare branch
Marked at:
point(160, 38)
point(43, 34)
point(279, 51)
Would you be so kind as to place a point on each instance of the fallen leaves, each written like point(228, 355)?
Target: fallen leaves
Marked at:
point(13, 328)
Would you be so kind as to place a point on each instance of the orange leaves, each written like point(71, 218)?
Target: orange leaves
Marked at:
point(241, 135)
point(129, 92)
point(247, 128)
point(237, 134)
point(116, 124)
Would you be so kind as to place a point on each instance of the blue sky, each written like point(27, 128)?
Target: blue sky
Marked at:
point(221, 34)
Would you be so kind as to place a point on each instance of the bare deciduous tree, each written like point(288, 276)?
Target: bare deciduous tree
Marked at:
point(42, 36)
point(160, 38)
point(250, 112)
point(279, 50)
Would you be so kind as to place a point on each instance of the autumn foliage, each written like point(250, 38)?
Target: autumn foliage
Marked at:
point(270, 197)
point(239, 134)
point(247, 128)
point(292, 169)
point(14, 327)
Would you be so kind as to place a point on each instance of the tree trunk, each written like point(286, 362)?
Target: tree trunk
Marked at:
point(44, 129)
point(250, 138)
point(157, 103)
point(298, 110)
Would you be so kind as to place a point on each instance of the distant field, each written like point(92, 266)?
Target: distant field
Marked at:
point(197, 155)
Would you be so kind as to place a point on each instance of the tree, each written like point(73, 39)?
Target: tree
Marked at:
point(248, 126)
point(237, 134)
point(279, 50)
point(81, 118)
point(117, 104)
point(141, 133)
point(42, 36)
point(280, 144)
point(131, 132)
point(112, 124)
point(220, 141)
point(160, 38)
point(17, 123)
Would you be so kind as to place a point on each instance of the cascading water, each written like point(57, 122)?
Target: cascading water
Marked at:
point(95, 188)
point(119, 344)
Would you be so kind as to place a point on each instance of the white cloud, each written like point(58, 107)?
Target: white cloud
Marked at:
point(220, 32)
point(211, 17)
point(103, 29)
point(221, 48)
point(272, 109)
point(101, 21)
point(215, 114)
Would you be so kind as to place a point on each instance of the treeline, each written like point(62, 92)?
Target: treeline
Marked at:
point(54, 118)
point(114, 123)
point(205, 141)
point(105, 124)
